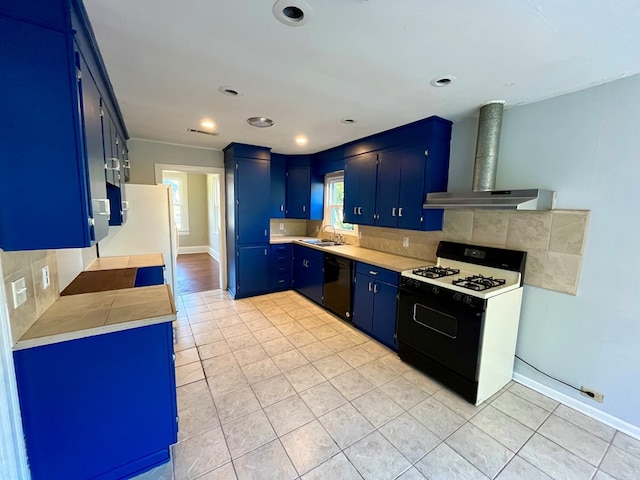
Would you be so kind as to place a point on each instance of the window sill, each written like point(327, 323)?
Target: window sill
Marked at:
point(184, 232)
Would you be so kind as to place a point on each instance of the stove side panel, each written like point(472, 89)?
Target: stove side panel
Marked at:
point(498, 343)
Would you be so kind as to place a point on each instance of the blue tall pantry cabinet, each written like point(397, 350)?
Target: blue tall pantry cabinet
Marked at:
point(52, 76)
point(247, 179)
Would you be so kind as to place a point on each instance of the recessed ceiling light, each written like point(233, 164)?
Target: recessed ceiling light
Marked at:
point(443, 81)
point(229, 91)
point(349, 121)
point(207, 124)
point(293, 13)
point(301, 140)
point(260, 122)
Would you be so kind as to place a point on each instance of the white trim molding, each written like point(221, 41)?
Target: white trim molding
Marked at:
point(589, 411)
point(195, 249)
point(213, 254)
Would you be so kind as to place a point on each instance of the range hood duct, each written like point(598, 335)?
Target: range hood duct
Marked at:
point(483, 194)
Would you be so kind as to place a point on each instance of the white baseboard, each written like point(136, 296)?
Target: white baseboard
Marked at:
point(196, 249)
point(213, 254)
point(588, 410)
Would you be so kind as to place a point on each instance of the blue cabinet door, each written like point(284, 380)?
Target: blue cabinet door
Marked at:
point(436, 179)
point(147, 276)
point(363, 303)
point(316, 288)
point(298, 191)
point(98, 407)
point(253, 270)
point(252, 201)
point(278, 185)
point(411, 194)
point(384, 313)
point(308, 274)
point(388, 189)
point(360, 175)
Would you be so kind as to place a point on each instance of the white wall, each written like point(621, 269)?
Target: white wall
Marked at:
point(585, 146)
point(213, 205)
point(144, 154)
point(198, 212)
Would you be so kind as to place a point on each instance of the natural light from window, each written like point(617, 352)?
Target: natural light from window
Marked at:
point(179, 184)
point(334, 204)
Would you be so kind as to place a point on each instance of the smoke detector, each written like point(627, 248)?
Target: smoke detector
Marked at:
point(293, 13)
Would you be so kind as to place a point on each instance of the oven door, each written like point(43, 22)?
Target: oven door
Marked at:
point(442, 329)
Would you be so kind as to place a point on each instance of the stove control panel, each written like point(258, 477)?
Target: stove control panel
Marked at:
point(442, 294)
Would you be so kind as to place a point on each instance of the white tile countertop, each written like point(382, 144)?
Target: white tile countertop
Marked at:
point(85, 315)
point(389, 261)
point(129, 261)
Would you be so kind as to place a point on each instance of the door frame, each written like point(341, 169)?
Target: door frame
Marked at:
point(160, 167)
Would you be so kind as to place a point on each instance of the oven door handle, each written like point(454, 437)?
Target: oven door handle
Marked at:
point(430, 327)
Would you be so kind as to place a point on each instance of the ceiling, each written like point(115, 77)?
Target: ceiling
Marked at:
point(366, 60)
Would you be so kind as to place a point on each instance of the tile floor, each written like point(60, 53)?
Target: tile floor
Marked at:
point(273, 387)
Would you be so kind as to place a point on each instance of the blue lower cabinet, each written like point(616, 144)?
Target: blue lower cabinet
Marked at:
point(253, 271)
point(101, 407)
point(375, 300)
point(147, 276)
point(280, 267)
point(308, 273)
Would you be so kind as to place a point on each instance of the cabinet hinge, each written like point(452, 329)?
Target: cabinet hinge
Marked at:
point(426, 153)
point(78, 74)
point(101, 112)
point(421, 219)
point(236, 166)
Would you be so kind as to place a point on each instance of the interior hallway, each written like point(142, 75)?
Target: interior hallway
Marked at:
point(197, 272)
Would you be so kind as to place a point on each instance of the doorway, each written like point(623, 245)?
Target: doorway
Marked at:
point(199, 218)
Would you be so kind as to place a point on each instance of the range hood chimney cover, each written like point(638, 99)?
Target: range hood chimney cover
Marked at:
point(485, 168)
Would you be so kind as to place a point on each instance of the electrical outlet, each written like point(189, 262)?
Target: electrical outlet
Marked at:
point(281, 227)
point(359, 235)
point(19, 290)
point(405, 241)
point(591, 393)
point(46, 280)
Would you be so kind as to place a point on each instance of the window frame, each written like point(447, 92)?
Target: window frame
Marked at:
point(330, 178)
point(181, 179)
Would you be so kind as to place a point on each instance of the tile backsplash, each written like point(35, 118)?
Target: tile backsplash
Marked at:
point(289, 226)
point(29, 264)
point(554, 241)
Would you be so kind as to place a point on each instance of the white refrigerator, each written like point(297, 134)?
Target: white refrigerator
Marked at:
point(150, 228)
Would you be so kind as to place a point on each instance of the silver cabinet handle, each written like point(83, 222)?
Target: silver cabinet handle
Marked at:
point(370, 286)
point(282, 208)
point(103, 207)
point(355, 210)
point(359, 210)
point(265, 232)
point(393, 212)
point(375, 288)
point(265, 251)
point(125, 205)
point(372, 272)
point(304, 208)
point(400, 212)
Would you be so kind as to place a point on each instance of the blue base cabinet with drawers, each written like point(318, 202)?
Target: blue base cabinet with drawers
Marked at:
point(375, 300)
point(308, 273)
point(281, 266)
point(101, 407)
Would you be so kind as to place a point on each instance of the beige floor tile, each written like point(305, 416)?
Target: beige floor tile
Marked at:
point(422, 381)
point(267, 334)
point(259, 371)
point(337, 467)
point(346, 425)
point(208, 337)
point(277, 346)
point(554, 460)
point(288, 414)
point(189, 373)
point(519, 469)
point(267, 462)
point(241, 341)
point(258, 324)
point(289, 360)
point(203, 327)
point(376, 349)
point(455, 402)
point(251, 354)
point(500, 426)
point(315, 351)
point(301, 339)
point(234, 331)
point(225, 472)
point(377, 373)
point(236, 404)
point(304, 377)
point(579, 442)
point(620, 464)
point(192, 394)
point(394, 363)
point(280, 318)
point(229, 321)
point(376, 458)
point(411, 474)
point(628, 444)
point(332, 366)
point(520, 409)
point(214, 349)
point(248, 433)
point(183, 343)
point(436, 417)
point(310, 322)
point(197, 419)
point(599, 429)
point(220, 364)
point(444, 463)
point(200, 454)
point(403, 392)
point(204, 317)
point(322, 398)
point(227, 382)
point(290, 328)
point(339, 343)
point(189, 355)
point(534, 397)
point(356, 356)
point(323, 332)
point(600, 475)
point(377, 407)
point(309, 446)
point(409, 436)
point(351, 384)
point(272, 390)
point(479, 449)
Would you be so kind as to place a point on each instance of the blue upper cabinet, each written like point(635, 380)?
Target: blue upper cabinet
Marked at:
point(49, 126)
point(304, 189)
point(278, 185)
point(360, 173)
point(252, 208)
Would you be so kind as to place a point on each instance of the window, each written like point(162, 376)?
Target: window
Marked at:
point(334, 204)
point(178, 181)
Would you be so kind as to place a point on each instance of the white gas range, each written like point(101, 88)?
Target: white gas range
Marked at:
point(458, 320)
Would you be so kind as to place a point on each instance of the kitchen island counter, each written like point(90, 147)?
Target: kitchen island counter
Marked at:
point(128, 261)
point(89, 314)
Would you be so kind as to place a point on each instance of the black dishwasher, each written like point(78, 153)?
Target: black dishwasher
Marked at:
point(338, 278)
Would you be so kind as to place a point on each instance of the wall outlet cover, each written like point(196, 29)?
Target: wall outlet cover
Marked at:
point(405, 241)
point(19, 290)
point(46, 279)
point(593, 394)
point(281, 226)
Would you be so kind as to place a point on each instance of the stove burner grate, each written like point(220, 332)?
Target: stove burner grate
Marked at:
point(436, 272)
point(479, 282)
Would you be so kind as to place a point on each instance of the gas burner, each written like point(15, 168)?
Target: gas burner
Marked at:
point(436, 272)
point(479, 282)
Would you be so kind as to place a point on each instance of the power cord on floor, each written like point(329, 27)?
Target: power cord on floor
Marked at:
point(590, 394)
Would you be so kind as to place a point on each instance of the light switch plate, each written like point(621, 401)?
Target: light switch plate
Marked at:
point(19, 290)
point(46, 280)
point(281, 226)
point(405, 241)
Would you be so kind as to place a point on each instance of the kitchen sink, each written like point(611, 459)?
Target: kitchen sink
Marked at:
point(321, 243)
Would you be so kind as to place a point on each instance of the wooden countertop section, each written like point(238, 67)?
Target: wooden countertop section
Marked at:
point(131, 261)
point(390, 261)
point(101, 280)
point(85, 315)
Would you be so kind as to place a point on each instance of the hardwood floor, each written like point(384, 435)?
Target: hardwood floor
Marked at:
point(197, 272)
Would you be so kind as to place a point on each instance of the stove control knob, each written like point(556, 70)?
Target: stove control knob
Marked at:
point(457, 297)
point(467, 299)
point(435, 290)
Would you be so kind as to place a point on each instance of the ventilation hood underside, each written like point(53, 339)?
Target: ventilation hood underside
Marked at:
point(532, 199)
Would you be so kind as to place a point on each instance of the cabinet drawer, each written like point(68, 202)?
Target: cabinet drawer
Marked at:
point(382, 274)
point(282, 281)
point(282, 248)
point(281, 268)
point(280, 258)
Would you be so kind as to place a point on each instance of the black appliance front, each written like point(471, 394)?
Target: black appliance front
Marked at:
point(441, 335)
point(338, 281)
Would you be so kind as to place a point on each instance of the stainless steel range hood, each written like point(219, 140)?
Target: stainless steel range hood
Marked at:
point(484, 194)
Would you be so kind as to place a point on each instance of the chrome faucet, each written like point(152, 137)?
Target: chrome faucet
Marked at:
point(333, 236)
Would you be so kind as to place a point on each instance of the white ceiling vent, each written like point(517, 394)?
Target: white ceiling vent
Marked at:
point(195, 130)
